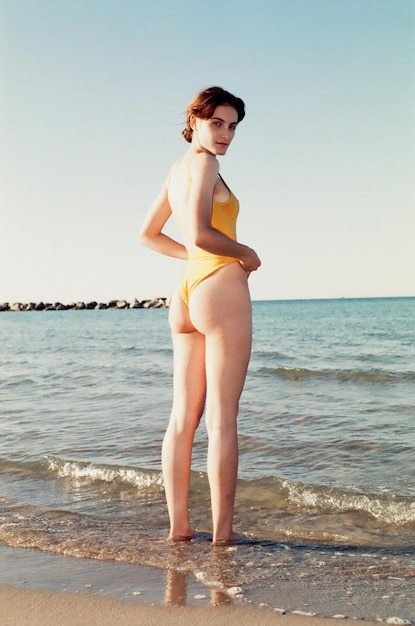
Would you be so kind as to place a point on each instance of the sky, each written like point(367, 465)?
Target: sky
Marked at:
point(92, 100)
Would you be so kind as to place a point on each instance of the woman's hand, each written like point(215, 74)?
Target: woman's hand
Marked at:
point(249, 260)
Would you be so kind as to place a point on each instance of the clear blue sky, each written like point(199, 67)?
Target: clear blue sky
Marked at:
point(92, 100)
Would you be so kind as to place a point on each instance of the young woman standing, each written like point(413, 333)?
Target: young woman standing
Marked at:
point(210, 313)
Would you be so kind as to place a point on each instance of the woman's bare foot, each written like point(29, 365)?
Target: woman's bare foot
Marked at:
point(235, 538)
point(185, 537)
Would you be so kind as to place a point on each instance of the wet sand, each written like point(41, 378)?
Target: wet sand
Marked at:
point(42, 589)
point(21, 607)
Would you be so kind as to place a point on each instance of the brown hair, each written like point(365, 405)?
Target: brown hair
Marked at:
point(204, 104)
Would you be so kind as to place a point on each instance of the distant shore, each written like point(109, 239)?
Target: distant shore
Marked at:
point(153, 303)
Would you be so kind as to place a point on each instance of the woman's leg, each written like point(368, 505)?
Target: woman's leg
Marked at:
point(220, 309)
point(188, 404)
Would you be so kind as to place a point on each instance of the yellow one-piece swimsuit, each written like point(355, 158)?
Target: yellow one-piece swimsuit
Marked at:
point(201, 264)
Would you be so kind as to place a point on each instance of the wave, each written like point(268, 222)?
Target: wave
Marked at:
point(295, 374)
point(387, 509)
point(273, 494)
point(142, 479)
point(277, 497)
point(52, 466)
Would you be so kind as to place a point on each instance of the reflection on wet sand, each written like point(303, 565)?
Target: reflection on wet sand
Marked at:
point(218, 575)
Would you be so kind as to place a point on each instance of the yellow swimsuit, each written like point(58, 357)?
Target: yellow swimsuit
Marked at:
point(202, 264)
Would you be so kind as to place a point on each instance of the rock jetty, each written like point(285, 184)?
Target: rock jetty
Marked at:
point(154, 303)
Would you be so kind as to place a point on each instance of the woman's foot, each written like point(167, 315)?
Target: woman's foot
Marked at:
point(173, 537)
point(234, 539)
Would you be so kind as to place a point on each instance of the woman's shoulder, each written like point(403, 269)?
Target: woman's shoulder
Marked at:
point(204, 159)
point(194, 166)
point(202, 164)
point(198, 159)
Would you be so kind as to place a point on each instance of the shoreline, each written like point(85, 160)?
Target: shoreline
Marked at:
point(48, 608)
point(38, 589)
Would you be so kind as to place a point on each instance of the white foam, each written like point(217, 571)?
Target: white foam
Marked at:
point(77, 470)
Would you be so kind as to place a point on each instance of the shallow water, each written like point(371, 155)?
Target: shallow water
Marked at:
point(326, 490)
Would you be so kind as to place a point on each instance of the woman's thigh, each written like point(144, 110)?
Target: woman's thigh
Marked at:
point(220, 309)
point(189, 365)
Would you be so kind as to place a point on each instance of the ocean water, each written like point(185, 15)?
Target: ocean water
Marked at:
point(326, 488)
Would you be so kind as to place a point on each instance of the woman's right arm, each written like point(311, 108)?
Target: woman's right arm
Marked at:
point(151, 233)
point(204, 172)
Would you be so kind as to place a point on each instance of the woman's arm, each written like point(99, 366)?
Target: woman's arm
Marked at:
point(204, 172)
point(151, 234)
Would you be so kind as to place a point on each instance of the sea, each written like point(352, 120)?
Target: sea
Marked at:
point(326, 486)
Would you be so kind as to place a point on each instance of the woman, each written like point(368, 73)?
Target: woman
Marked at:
point(210, 313)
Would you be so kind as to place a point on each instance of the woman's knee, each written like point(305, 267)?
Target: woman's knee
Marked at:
point(223, 416)
point(184, 423)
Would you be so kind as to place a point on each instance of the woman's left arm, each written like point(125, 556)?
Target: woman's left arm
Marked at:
point(151, 233)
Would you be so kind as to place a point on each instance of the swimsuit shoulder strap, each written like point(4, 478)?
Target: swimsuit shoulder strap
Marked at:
point(226, 185)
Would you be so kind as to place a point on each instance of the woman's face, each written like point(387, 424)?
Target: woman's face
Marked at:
point(215, 135)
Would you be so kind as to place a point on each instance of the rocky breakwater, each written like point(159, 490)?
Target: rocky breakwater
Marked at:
point(154, 303)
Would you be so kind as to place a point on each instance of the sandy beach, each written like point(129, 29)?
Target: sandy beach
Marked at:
point(41, 589)
point(43, 608)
